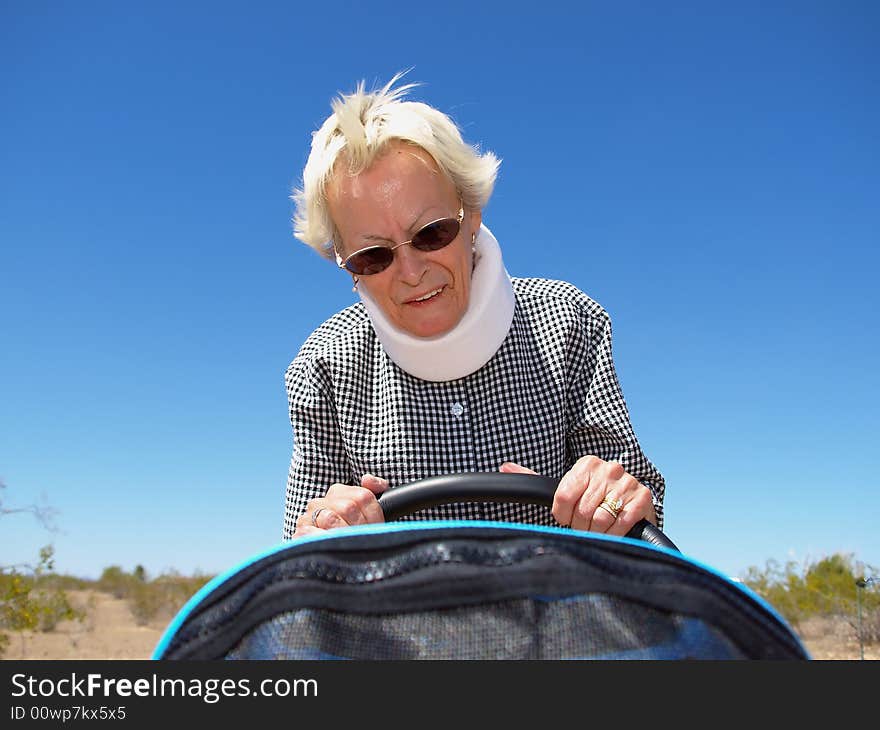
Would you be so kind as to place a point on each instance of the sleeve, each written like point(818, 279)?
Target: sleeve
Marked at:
point(599, 421)
point(319, 458)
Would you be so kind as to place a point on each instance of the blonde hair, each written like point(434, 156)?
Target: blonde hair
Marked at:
point(359, 129)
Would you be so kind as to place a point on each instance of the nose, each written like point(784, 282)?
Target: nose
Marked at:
point(411, 264)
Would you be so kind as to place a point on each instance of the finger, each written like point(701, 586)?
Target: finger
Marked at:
point(571, 489)
point(372, 485)
point(339, 512)
point(375, 484)
point(351, 504)
point(508, 467)
point(307, 517)
point(565, 499)
point(606, 516)
point(638, 504)
point(585, 515)
point(604, 520)
point(308, 530)
point(618, 488)
point(324, 514)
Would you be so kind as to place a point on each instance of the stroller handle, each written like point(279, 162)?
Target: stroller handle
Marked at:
point(490, 487)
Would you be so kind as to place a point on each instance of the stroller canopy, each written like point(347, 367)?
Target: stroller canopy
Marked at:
point(475, 590)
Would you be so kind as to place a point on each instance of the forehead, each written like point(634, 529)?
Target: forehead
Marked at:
point(398, 169)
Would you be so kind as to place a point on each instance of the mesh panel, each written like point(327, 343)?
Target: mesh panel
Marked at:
point(584, 627)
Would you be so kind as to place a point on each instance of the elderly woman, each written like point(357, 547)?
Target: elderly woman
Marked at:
point(447, 364)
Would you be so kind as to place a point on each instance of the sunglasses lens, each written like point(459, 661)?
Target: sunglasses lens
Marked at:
point(436, 235)
point(370, 261)
point(432, 237)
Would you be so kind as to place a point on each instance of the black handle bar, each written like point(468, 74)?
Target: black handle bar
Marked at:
point(490, 487)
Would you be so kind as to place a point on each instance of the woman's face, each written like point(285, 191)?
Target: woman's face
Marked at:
point(424, 293)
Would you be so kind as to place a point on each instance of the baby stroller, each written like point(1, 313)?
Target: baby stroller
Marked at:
point(476, 590)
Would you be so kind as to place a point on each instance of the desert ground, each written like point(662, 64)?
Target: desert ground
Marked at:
point(109, 631)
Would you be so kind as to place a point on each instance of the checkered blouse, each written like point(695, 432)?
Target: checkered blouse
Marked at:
point(547, 397)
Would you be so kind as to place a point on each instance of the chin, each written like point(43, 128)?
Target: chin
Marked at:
point(426, 331)
point(435, 327)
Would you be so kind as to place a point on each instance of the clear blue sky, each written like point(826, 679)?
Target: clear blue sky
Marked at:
point(708, 171)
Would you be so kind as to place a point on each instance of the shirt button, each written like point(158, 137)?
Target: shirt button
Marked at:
point(457, 409)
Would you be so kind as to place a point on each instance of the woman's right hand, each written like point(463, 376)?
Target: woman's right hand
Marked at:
point(343, 505)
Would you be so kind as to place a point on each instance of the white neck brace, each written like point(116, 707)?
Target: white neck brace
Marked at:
point(473, 341)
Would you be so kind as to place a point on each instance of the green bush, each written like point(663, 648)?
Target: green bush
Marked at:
point(827, 587)
point(33, 600)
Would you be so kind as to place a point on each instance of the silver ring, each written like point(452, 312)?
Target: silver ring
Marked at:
point(315, 515)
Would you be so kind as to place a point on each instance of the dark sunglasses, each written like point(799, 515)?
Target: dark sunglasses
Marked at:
point(375, 259)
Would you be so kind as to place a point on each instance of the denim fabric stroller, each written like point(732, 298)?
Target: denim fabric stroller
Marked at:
point(476, 590)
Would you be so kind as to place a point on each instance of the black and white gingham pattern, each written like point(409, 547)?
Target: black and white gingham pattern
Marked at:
point(548, 396)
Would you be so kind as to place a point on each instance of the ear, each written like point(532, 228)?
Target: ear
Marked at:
point(474, 219)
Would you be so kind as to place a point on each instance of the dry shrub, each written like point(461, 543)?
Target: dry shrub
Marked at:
point(149, 600)
point(163, 597)
point(115, 581)
point(870, 627)
point(838, 628)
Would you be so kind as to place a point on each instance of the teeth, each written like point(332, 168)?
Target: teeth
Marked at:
point(429, 295)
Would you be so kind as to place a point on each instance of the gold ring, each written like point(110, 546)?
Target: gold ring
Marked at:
point(315, 515)
point(612, 506)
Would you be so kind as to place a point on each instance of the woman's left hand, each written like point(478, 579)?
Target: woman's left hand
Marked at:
point(578, 501)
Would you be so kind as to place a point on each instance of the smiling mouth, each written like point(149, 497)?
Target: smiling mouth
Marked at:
point(427, 297)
